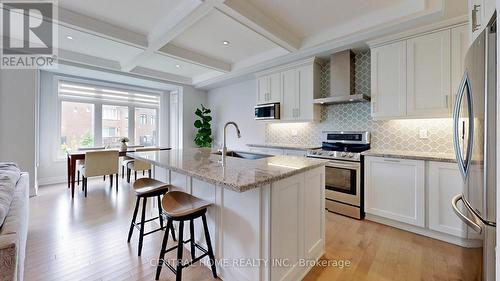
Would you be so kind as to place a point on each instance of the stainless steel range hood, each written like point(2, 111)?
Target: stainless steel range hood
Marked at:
point(342, 80)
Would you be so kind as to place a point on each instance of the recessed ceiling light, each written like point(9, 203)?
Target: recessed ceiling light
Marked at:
point(69, 37)
point(178, 65)
point(225, 42)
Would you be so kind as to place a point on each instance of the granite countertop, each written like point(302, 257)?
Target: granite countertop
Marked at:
point(285, 146)
point(440, 157)
point(239, 174)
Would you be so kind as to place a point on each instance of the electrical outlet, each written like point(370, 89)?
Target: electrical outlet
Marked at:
point(423, 134)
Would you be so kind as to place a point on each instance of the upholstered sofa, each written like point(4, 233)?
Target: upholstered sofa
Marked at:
point(14, 208)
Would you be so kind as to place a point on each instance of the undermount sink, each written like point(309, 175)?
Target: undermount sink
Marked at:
point(244, 155)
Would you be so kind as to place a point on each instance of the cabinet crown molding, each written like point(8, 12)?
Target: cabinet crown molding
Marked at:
point(431, 28)
point(311, 60)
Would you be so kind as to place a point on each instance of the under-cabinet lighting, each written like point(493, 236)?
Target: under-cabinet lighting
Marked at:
point(225, 42)
point(178, 65)
point(69, 37)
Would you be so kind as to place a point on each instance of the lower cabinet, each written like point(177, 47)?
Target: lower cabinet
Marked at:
point(395, 189)
point(416, 195)
point(445, 182)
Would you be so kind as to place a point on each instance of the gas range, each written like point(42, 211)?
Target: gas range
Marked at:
point(342, 145)
point(344, 172)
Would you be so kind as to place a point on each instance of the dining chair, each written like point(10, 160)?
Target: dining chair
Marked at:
point(127, 159)
point(100, 163)
point(137, 165)
point(81, 162)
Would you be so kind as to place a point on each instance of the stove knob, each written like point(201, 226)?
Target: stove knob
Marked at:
point(350, 155)
point(343, 154)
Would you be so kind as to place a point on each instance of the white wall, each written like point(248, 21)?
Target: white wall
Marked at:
point(191, 99)
point(236, 103)
point(18, 104)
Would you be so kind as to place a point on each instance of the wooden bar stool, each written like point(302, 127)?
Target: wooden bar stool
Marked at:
point(147, 188)
point(180, 206)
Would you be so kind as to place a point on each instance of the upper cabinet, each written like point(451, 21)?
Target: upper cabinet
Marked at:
point(417, 76)
point(460, 43)
point(388, 80)
point(269, 89)
point(294, 86)
point(428, 75)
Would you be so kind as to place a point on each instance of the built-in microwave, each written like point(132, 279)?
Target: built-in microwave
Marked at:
point(269, 111)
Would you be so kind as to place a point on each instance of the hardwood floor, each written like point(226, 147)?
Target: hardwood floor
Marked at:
point(85, 239)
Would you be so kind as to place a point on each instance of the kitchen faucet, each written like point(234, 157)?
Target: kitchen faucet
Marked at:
point(224, 148)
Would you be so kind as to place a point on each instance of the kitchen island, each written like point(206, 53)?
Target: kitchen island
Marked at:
point(267, 218)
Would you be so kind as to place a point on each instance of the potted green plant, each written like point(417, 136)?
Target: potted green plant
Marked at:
point(203, 137)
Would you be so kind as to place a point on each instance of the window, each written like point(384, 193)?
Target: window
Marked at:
point(145, 132)
point(109, 113)
point(83, 104)
point(143, 119)
point(115, 127)
point(77, 126)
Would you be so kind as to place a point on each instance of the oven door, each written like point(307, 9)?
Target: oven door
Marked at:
point(343, 181)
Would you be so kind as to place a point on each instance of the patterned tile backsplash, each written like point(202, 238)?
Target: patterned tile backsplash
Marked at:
point(401, 135)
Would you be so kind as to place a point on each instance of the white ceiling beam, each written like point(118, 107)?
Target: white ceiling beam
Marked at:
point(245, 13)
point(66, 55)
point(177, 21)
point(100, 28)
point(162, 75)
point(194, 57)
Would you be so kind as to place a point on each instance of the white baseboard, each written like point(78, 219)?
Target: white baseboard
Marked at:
point(467, 243)
point(52, 180)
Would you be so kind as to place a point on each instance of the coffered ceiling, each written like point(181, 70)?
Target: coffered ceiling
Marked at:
point(211, 42)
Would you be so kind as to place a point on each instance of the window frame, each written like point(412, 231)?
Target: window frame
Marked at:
point(98, 114)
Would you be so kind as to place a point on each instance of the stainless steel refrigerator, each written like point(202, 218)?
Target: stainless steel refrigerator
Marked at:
point(474, 120)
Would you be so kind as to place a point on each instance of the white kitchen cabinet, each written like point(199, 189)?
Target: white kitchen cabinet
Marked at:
point(444, 182)
point(299, 90)
point(294, 86)
point(262, 89)
point(289, 95)
point(395, 189)
point(388, 80)
point(416, 76)
point(459, 44)
point(269, 88)
point(297, 222)
point(429, 75)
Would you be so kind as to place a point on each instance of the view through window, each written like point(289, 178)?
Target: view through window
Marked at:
point(145, 126)
point(77, 125)
point(114, 124)
point(96, 116)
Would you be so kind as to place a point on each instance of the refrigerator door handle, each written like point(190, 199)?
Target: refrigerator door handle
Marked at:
point(463, 164)
point(474, 224)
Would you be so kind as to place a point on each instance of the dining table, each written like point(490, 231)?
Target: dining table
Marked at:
point(75, 155)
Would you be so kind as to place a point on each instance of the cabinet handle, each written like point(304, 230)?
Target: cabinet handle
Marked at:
point(392, 160)
point(475, 10)
point(446, 100)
